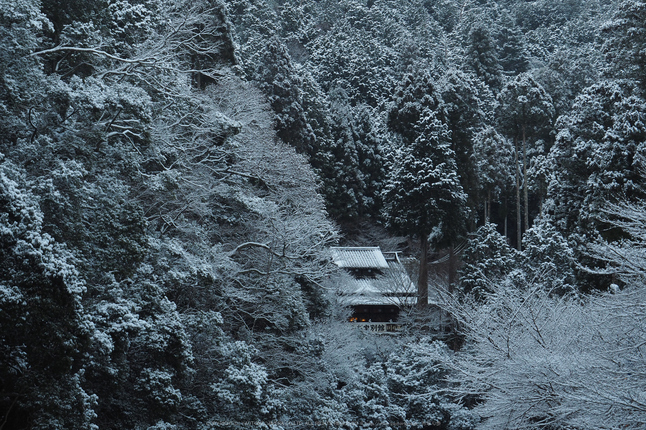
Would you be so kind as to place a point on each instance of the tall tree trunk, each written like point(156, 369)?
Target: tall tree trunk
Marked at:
point(422, 282)
point(485, 212)
point(518, 214)
point(506, 218)
point(451, 269)
point(525, 193)
point(488, 214)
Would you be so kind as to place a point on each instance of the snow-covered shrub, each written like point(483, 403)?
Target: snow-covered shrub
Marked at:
point(406, 389)
point(487, 259)
point(536, 360)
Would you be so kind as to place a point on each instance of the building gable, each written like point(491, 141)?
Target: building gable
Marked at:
point(378, 285)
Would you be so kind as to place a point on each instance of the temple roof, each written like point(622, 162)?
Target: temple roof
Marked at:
point(359, 257)
point(389, 285)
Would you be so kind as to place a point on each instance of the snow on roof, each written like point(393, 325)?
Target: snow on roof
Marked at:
point(381, 291)
point(391, 285)
point(359, 257)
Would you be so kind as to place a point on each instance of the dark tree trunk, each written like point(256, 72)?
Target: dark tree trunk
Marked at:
point(488, 207)
point(422, 282)
point(518, 214)
point(506, 218)
point(452, 271)
point(525, 193)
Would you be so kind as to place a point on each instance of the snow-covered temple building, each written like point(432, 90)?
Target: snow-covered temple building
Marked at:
point(377, 288)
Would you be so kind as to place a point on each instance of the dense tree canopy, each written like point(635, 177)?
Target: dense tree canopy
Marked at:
point(173, 172)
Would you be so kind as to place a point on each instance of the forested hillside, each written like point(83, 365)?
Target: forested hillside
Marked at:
point(173, 173)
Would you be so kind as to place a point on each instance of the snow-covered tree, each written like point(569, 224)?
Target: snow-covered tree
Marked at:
point(512, 53)
point(466, 108)
point(163, 257)
point(535, 359)
point(45, 336)
point(548, 256)
point(597, 158)
point(483, 56)
point(625, 48)
point(415, 97)
point(488, 260)
point(406, 388)
point(279, 79)
point(525, 111)
point(353, 172)
point(494, 160)
point(625, 257)
point(424, 197)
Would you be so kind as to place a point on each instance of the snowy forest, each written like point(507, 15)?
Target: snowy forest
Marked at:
point(173, 174)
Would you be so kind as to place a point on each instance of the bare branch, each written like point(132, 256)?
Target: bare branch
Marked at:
point(149, 61)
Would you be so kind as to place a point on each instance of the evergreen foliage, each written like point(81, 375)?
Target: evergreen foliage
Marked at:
point(512, 53)
point(466, 105)
point(488, 259)
point(415, 97)
point(525, 109)
point(45, 331)
point(625, 47)
point(283, 86)
point(171, 173)
point(597, 157)
point(483, 56)
point(493, 159)
point(424, 195)
point(354, 173)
